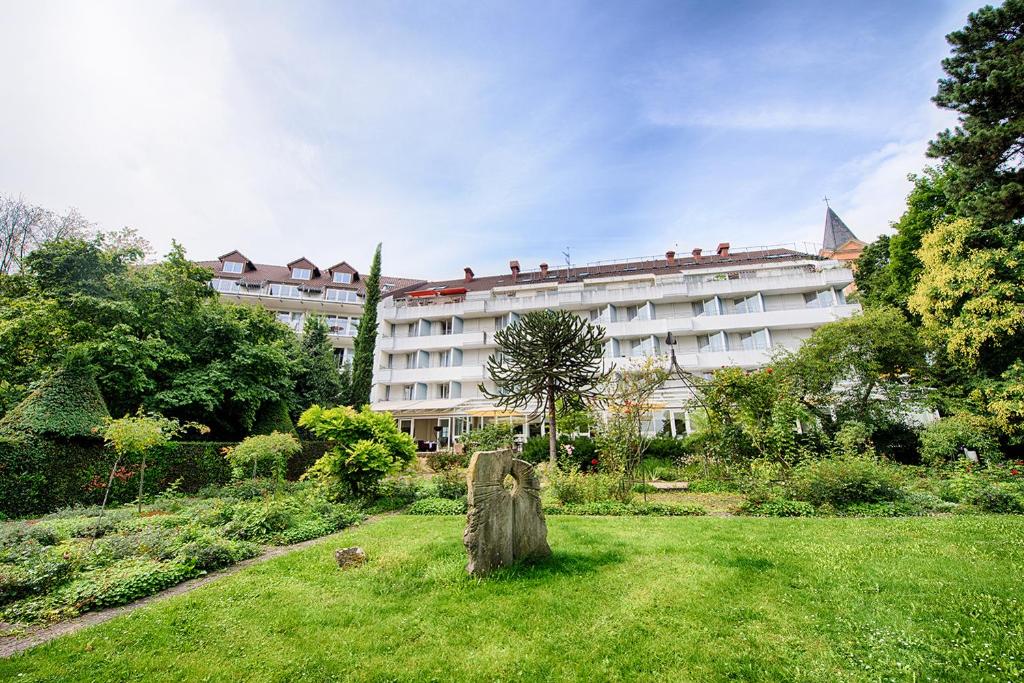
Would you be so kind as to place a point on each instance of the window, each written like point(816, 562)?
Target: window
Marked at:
point(412, 330)
point(754, 341)
point(410, 360)
point(750, 304)
point(625, 313)
point(711, 342)
point(343, 278)
point(342, 295)
point(446, 327)
point(337, 325)
point(232, 267)
point(385, 287)
point(227, 286)
point(595, 313)
point(301, 273)
point(289, 291)
point(405, 426)
point(353, 326)
point(292, 319)
point(706, 307)
point(443, 391)
point(821, 299)
point(444, 359)
point(387, 392)
point(341, 358)
point(407, 392)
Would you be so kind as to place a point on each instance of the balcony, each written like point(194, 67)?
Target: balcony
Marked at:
point(461, 373)
point(779, 319)
point(466, 340)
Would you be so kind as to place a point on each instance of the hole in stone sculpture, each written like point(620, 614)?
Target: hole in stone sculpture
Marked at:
point(509, 482)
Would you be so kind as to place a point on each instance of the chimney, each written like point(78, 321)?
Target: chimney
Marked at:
point(670, 256)
point(723, 249)
point(543, 270)
point(469, 274)
point(514, 265)
point(696, 254)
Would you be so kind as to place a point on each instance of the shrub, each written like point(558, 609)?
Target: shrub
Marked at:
point(573, 486)
point(535, 450)
point(611, 508)
point(368, 446)
point(437, 506)
point(667, 448)
point(844, 481)
point(273, 417)
point(578, 452)
point(448, 459)
point(780, 508)
point(713, 486)
point(853, 439)
point(66, 405)
point(490, 437)
point(450, 485)
point(942, 441)
point(266, 453)
point(212, 552)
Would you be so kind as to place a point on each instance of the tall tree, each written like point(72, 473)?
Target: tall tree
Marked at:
point(366, 338)
point(984, 84)
point(318, 381)
point(545, 356)
point(24, 227)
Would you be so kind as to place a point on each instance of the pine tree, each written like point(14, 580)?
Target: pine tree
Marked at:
point(545, 356)
point(318, 381)
point(366, 338)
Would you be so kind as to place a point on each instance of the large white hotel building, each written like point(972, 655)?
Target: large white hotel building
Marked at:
point(727, 307)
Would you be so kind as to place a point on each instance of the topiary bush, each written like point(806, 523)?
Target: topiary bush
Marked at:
point(943, 441)
point(66, 405)
point(845, 481)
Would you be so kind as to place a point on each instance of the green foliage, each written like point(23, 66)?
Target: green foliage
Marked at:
point(535, 450)
point(943, 441)
point(446, 460)
point(437, 506)
point(611, 508)
point(580, 453)
point(844, 481)
point(667, 448)
point(543, 357)
point(66, 405)
point(273, 417)
point(867, 368)
point(451, 484)
point(984, 77)
point(780, 507)
point(368, 445)
point(494, 436)
point(571, 487)
point(317, 381)
point(853, 439)
point(366, 337)
point(263, 454)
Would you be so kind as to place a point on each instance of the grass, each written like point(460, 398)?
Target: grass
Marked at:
point(650, 599)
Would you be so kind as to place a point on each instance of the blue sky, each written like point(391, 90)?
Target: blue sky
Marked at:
point(467, 134)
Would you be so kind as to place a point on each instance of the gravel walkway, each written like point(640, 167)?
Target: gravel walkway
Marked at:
point(10, 645)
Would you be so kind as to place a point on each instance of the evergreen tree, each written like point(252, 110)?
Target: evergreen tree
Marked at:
point(366, 338)
point(545, 356)
point(318, 382)
point(985, 86)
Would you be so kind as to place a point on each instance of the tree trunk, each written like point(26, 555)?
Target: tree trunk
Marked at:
point(552, 435)
point(142, 480)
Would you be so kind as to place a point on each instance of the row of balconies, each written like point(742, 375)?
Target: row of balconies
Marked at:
point(779, 319)
point(577, 297)
point(474, 374)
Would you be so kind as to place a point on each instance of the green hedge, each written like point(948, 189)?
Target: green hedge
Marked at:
point(39, 476)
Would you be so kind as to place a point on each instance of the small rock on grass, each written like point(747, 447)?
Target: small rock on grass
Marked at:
point(350, 557)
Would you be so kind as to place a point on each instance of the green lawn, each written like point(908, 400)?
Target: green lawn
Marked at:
point(655, 599)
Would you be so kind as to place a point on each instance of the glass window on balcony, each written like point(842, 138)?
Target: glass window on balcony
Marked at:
point(625, 313)
point(343, 278)
point(387, 392)
point(822, 299)
point(353, 326)
point(232, 267)
point(706, 307)
point(410, 361)
point(444, 327)
point(749, 304)
point(412, 330)
point(443, 391)
point(342, 296)
point(301, 273)
point(226, 286)
point(407, 392)
point(336, 325)
point(341, 358)
point(444, 359)
point(711, 342)
point(287, 291)
point(754, 341)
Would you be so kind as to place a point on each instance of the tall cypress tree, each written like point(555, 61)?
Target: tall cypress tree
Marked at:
point(366, 338)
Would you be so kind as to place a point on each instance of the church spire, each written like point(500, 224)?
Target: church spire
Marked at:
point(836, 232)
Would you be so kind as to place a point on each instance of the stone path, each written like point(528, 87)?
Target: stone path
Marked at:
point(670, 485)
point(10, 645)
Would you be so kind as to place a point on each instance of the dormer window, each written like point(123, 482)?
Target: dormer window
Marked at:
point(343, 278)
point(232, 267)
point(301, 273)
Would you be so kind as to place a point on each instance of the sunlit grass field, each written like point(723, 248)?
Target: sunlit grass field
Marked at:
point(623, 599)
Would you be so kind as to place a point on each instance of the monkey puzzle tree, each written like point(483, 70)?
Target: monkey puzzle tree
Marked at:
point(545, 356)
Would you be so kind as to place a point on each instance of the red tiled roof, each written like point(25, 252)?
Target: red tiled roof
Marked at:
point(658, 266)
point(283, 274)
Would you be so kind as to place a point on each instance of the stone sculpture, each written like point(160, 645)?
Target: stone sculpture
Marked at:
point(503, 526)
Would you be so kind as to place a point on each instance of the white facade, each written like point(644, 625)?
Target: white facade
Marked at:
point(432, 350)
